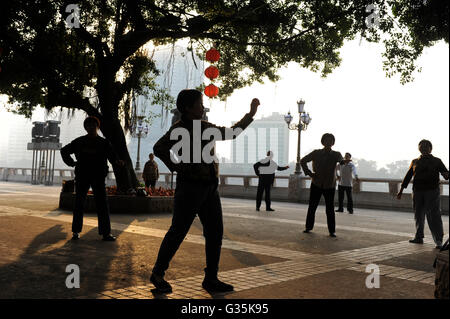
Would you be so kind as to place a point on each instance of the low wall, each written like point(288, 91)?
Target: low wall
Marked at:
point(296, 190)
point(373, 200)
point(120, 204)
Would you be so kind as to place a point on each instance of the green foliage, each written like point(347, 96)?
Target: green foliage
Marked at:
point(46, 63)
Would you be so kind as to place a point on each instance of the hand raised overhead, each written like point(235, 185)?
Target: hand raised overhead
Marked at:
point(254, 106)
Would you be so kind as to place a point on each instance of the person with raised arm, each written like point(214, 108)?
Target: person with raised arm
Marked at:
point(196, 190)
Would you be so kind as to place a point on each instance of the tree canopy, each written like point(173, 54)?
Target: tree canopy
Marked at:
point(95, 65)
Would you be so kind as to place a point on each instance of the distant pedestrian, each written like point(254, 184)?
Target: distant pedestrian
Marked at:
point(151, 172)
point(196, 189)
point(323, 181)
point(91, 152)
point(426, 193)
point(346, 172)
point(265, 170)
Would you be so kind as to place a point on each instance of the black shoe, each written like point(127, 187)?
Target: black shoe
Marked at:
point(215, 285)
point(160, 284)
point(416, 241)
point(332, 234)
point(109, 237)
point(257, 209)
point(438, 247)
point(339, 211)
point(350, 212)
point(306, 231)
point(75, 236)
point(270, 210)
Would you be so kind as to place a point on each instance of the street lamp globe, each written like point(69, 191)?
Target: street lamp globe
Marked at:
point(288, 118)
point(306, 119)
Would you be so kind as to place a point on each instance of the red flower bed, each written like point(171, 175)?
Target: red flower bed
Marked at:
point(160, 191)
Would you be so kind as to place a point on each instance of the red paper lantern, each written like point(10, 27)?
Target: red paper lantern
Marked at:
point(212, 55)
point(211, 90)
point(212, 72)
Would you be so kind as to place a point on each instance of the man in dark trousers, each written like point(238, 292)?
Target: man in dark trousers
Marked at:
point(196, 187)
point(345, 177)
point(323, 181)
point(265, 170)
point(426, 193)
point(91, 152)
point(150, 173)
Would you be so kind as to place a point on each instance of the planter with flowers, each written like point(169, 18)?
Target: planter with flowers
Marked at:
point(139, 201)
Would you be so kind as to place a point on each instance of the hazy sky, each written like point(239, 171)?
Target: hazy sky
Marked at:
point(371, 116)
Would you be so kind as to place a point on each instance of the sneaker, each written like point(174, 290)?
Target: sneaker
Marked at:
point(332, 234)
point(339, 211)
point(215, 285)
point(416, 241)
point(109, 237)
point(306, 231)
point(75, 236)
point(160, 284)
point(270, 210)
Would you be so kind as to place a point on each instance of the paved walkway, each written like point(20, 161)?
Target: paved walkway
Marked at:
point(265, 255)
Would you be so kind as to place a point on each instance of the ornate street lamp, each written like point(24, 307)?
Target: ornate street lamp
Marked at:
point(139, 130)
point(303, 120)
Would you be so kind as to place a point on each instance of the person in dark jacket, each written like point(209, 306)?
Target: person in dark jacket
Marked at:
point(265, 170)
point(150, 174)
point(426, 193)
point(91, 152)
point(196, 186)
point(323, 181)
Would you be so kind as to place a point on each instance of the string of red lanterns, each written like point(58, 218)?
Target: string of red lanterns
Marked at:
point(212, 72)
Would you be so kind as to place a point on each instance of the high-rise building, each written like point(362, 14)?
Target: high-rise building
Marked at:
point(267, 133)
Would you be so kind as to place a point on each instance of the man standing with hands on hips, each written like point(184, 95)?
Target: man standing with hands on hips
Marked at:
point(323, 181)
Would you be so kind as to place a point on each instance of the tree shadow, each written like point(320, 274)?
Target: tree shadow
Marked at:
point(40, 270)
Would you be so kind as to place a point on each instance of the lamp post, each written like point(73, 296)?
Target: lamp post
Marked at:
point(140, 130)
point(303, 121)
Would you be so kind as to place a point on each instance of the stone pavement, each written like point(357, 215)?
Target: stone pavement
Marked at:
point(265, 255)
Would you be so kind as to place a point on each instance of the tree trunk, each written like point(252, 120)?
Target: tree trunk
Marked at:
point(125, 176)
point(109, 99)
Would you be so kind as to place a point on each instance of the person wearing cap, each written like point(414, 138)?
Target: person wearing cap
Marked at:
point(196, 186)
point(91, 168)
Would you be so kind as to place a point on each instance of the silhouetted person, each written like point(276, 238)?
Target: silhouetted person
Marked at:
point(323, 181)
point(91, 168)
point(346, 172)
point(196, 189)
point(265, 170)
point(151, 172)
point(426, 193)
